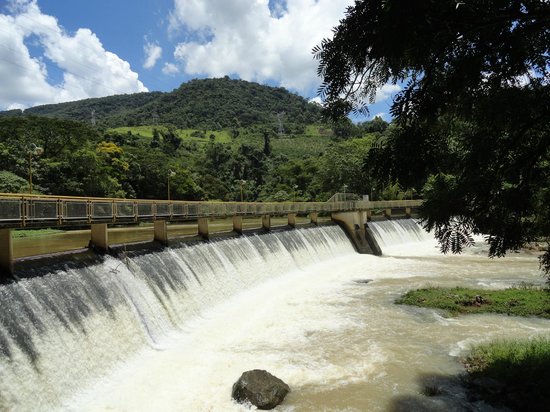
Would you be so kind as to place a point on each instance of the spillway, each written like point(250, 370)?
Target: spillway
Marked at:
point(61, 330)
point(172, 329)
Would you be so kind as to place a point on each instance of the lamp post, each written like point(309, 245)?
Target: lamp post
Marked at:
point(241, 182)
point(33, 150)
point(294, 192)
point(345, 187)
point(171, 173)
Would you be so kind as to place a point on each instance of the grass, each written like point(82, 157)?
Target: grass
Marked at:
point(34, 232)
point(523, 300)
point(147, 131)
point(511, 373)
point(313, 142)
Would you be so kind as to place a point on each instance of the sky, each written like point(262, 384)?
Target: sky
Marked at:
point(53, 51)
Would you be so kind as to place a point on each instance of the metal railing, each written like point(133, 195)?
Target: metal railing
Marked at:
point(18, 210)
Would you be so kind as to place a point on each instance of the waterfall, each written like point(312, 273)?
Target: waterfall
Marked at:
point(399, 231)
point(60, 331)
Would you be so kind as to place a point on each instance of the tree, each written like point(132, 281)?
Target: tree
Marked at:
point(376, 125)
point(472, 117)
point(343, 165)
point(11, 183)
point(155, 141)
point(267, 142)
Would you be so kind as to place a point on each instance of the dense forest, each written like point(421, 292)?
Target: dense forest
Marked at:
point(210, 137)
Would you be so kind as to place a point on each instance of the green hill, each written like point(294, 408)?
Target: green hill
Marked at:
point(212, 104)
point(213, 134)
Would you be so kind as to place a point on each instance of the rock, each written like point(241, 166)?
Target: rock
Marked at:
point(260, 388)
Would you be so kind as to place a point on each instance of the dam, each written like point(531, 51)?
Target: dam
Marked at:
point(172, 328)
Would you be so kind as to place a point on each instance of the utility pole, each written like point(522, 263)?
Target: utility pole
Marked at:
point(36, 151)
point(280, 123)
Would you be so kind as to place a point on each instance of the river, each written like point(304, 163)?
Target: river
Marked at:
point(314, 313)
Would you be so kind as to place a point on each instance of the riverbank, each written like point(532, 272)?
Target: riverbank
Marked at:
point(507, 373)
point(524, 300)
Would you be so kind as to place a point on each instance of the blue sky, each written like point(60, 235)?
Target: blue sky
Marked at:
point(61, 50)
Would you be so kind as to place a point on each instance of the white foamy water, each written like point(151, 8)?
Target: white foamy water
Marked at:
point(173, 330)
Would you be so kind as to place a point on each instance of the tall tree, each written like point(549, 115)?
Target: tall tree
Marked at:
point(472, 117)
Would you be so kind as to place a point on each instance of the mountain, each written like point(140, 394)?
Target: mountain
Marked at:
point(206, 103)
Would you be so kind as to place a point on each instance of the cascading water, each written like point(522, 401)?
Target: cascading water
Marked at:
point(59, 331)
point(173, 329)
point(394, 232)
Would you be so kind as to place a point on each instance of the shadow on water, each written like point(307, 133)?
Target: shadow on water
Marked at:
point(478, 393)
point(438, 393)
point(75, 285)
point(60, 297)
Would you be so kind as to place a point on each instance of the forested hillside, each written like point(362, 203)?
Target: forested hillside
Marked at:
point(73, 158)
point(214, 135)
point(207, 103)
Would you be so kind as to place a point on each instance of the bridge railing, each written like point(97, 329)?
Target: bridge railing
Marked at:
point(23, 210)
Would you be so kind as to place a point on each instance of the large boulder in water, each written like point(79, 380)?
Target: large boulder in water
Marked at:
point(260, 388)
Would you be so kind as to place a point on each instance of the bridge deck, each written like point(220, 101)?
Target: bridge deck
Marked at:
point(17, 210)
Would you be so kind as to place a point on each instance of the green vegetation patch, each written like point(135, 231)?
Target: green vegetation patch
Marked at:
point(517, 301)
point(200, 136)
point(511, 373)
point(34, 232)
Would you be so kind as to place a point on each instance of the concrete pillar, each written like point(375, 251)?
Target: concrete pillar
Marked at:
point(203, 227)
point(6, 252)
point(369, 215)
point(238, 224)
point(408, 211)
point(292, 219)
point(387, 213)
point(100, 237)
point(161, 232)
point(357, 230)
point(266, 222)
point(313, 217)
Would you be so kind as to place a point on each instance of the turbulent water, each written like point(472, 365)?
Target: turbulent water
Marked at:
point(173, 329)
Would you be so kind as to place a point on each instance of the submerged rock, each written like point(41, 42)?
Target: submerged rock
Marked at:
point(364, 281)
point(260, 388)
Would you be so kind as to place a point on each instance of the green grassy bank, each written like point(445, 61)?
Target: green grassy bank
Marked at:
point(517, 301)
point(511, 374)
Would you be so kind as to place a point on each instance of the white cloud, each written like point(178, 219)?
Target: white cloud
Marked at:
point(170, 69)
point(247, 38)
point(153, 52)
point(88, 69)
point(316, 99)
point(386, 91)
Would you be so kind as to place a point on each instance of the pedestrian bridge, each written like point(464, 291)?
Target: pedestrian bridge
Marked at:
point(38, 211)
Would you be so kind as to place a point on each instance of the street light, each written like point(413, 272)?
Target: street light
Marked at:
point(345, 187)
point(241, 182)
point(294, 193)
point(171, 173)
point(33, 150)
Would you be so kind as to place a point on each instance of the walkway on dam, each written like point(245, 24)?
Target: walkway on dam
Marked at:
point(20, 211)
